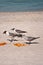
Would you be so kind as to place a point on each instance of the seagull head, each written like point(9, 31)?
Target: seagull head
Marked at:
point(4, 32)
point(13, 29)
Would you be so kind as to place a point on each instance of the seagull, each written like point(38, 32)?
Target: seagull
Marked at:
point(31, 38)
point(12, 34)
point(18, 31)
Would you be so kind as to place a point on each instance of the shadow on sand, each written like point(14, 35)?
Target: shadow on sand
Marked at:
point(32, 42)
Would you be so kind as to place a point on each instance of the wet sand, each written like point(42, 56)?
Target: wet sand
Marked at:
point(32, 54)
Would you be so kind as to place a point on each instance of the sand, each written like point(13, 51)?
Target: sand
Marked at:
point(32, 54)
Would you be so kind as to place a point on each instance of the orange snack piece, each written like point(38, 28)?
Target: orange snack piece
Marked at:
point(19, 44)
point(2, 43)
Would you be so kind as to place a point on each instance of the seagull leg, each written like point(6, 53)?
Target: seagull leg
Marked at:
point(29, 42)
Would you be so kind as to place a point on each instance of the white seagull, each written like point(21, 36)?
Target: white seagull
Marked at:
point(12, 34)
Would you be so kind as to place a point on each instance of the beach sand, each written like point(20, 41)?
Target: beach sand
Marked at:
point(32, 54)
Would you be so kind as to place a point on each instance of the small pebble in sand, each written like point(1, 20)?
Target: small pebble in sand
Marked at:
point(19, 44)
point(2, 43)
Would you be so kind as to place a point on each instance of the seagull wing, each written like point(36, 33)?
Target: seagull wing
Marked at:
point(32, 38)
point(20, 31)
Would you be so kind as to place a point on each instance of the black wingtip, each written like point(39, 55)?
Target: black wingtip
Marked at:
point(38, 37)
